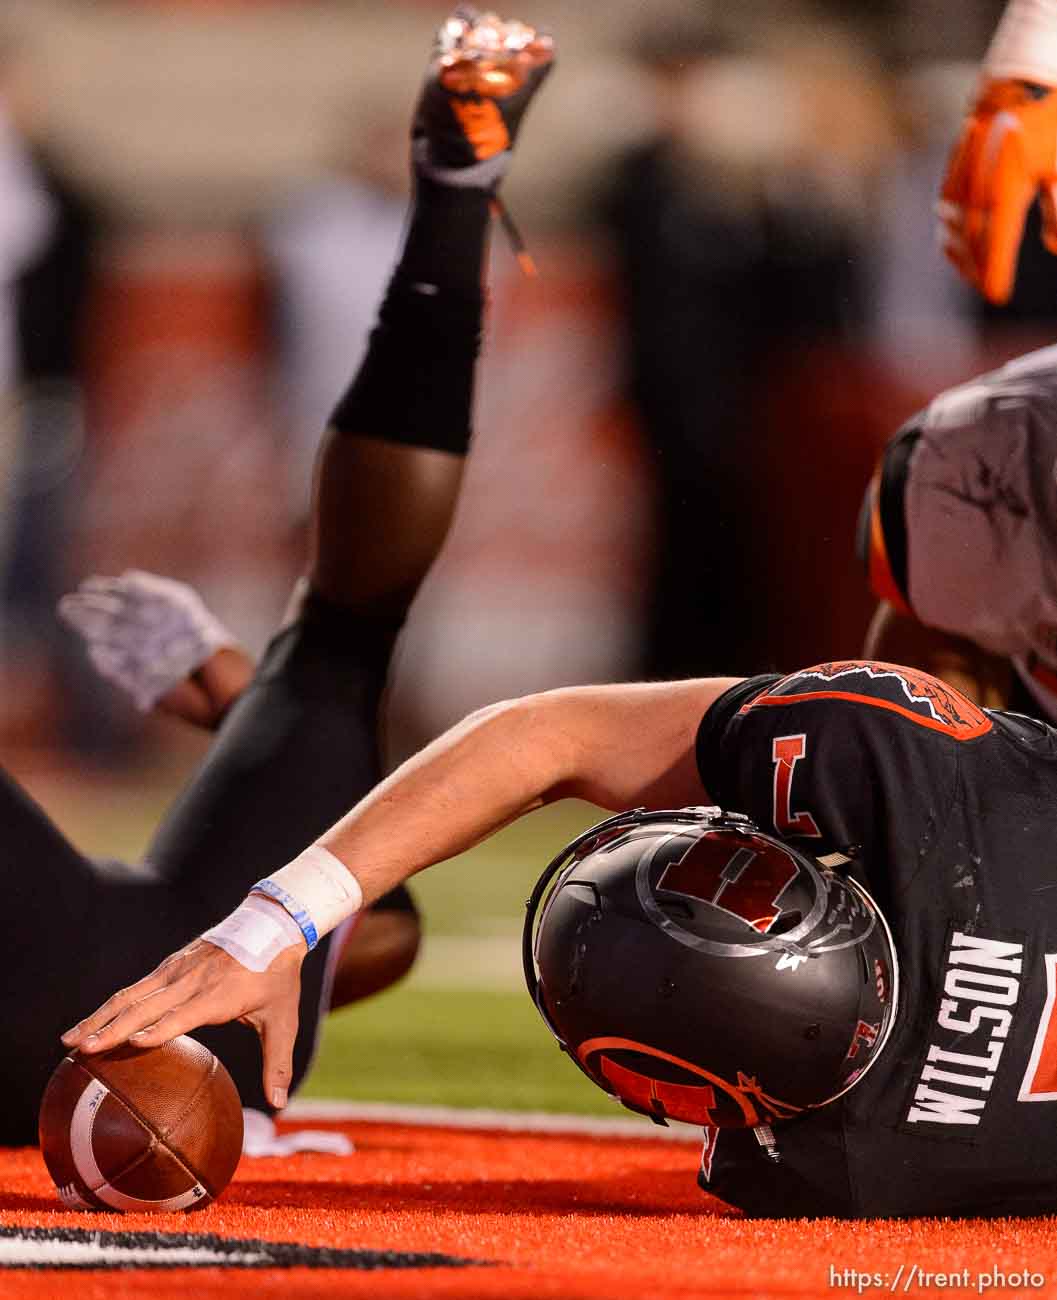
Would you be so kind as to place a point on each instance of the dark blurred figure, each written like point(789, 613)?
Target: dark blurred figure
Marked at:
point(49, 303)
point(733, 254)
point(25, 220)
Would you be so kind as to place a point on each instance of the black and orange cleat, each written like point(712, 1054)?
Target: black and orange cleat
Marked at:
point(483, 75)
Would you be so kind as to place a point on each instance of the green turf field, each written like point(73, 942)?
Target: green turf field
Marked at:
point(447, 1047)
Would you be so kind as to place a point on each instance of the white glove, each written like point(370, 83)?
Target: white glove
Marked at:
point(259, 1138)
point(144, 633)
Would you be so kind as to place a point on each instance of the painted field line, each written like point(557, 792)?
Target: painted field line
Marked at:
point(381, 1112)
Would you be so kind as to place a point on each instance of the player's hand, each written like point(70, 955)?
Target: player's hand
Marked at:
point(482, 77)
point(203, 985)
point(156, 640)
point(1007, 154)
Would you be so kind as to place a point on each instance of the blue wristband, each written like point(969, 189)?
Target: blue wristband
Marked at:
point(289, 904)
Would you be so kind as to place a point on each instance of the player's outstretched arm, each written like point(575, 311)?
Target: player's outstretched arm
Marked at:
point(617, 746)
point(155, 639)
point(1006, 155)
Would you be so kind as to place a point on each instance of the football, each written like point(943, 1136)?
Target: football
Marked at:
point(144, 1130)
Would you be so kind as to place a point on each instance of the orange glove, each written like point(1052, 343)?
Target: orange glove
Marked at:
point(1006, 156)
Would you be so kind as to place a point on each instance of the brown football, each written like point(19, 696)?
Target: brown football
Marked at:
point(154, 1129)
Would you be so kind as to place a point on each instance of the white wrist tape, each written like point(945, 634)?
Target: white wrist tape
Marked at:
point(1025, 44)
point(318, 891)
point(255, 933)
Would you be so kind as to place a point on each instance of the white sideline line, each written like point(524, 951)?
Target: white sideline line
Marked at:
point(381, 1112)
point(39, 1253)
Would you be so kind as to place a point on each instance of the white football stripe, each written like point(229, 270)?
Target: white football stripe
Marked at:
point(82, 1122)
point(54, 1254)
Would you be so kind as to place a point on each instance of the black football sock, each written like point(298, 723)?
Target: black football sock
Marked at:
point(446, 237)
point(415, 385)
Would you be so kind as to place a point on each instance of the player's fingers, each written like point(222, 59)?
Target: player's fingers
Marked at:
point(188, 962)
point(142, 583)
point(144, 1012)
point(951, 236)
point(88, 612)
point(114, 1006)
point(278, 1030)
point(998, 265)
point(952, 208)
point(1002, 192)
point(87, 597)
point(202, 1008)
point(102, 585)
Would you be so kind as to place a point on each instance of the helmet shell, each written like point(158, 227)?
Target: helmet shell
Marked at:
point(702, 970)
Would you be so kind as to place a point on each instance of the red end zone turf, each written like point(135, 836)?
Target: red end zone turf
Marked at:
point(539, 1215)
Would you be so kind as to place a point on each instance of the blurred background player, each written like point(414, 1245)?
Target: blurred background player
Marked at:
point(53, 298)
point(27, 225)
point(959, 535)
point(300, 740)
point(26, 216)
point(729, 269)
point(959, 528)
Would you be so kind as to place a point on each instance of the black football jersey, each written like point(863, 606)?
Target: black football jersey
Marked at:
point(948, 814)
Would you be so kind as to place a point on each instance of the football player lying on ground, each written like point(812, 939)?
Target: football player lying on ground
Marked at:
point(1006, 157)
point(959, 535)
point(299, 744)
point(846, 1056)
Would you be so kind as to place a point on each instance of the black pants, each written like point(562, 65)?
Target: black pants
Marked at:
point(296, 751)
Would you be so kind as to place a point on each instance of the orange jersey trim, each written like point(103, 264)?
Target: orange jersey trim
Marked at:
point(963, 732)
point(878, 564)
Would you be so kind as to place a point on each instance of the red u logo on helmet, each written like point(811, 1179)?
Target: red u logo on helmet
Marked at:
point(741, 880)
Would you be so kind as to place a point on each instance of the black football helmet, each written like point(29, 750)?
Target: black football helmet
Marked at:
point(701, 970)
